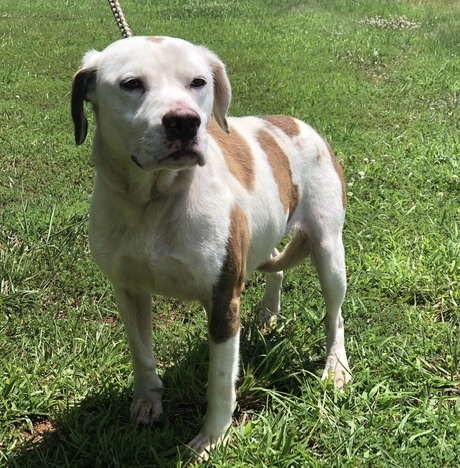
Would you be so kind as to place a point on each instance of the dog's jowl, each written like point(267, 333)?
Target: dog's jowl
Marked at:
point(188, 202)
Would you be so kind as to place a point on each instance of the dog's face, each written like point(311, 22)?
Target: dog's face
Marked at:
point(153, 99)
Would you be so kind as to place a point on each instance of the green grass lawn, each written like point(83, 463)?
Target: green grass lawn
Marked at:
point(381, 81)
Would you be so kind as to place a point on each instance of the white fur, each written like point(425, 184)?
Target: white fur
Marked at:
point(160, 225)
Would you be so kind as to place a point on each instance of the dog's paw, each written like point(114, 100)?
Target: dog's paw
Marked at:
point(202, 445)
point(270, 309)
point(266, 317)
point(337, 372)
point(146, 411)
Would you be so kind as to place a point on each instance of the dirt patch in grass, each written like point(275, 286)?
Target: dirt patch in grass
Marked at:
point(40, 430)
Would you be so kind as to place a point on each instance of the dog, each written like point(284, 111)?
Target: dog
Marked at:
point(187, 202)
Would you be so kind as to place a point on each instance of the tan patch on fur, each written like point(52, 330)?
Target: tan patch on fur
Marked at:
point(225, 314)
point(288, 124)
point(339, 170)
point(156, 39)
point(237, 152)
point(289, 193)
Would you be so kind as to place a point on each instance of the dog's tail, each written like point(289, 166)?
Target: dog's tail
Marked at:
point(295, 252)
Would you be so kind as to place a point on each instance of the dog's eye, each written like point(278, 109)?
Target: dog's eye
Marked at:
point(132, 84)
point(198, 83)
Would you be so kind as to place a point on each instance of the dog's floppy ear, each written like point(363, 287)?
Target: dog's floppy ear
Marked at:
point(83, 83)
point(222, 91)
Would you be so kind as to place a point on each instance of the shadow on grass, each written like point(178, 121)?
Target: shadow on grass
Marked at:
point(97, 432)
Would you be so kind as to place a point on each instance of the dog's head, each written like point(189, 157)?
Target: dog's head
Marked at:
point(153, 98)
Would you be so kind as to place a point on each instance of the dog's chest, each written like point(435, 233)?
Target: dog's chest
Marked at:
point(157, 253)
point(156, 270)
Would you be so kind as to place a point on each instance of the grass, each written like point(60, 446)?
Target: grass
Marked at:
point(387, 98)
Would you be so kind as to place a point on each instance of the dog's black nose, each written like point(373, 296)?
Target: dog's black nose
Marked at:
point(181, 124)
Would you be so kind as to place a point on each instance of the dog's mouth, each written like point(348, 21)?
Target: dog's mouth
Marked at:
point(185, 155)
point(179, 159)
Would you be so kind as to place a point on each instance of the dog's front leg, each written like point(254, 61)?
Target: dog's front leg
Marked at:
point(135, 312)
point(224, 334)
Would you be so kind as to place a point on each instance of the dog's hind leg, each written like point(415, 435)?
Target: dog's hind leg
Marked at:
point(328, 258)
point(135, 311)
point(271, 298)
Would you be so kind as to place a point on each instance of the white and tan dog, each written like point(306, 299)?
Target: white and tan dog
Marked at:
point(187, 206)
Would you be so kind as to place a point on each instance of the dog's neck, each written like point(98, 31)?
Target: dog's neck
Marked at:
point(125, 179)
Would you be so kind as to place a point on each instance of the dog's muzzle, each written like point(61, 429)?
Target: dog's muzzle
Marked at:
point(182, 146)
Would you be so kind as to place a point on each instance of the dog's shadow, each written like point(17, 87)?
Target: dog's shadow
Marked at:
point(97, 431)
